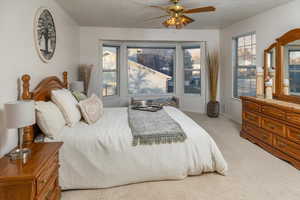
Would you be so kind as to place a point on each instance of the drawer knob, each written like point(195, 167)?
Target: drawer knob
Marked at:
point(43, 181)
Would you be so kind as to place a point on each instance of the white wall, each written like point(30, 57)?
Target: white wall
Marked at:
point(90, 38)
point(268, 26)
point(18, 54)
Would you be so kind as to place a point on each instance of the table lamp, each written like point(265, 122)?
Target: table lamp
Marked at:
point(77, 86)
point(18, 115)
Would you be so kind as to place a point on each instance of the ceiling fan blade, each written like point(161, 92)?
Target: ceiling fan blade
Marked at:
point(150, 19)
point(159, 7)
point(198, 10)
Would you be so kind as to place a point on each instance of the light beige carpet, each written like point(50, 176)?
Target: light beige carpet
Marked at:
point(253, 175)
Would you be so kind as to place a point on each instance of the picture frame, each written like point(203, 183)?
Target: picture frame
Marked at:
point(45, 34)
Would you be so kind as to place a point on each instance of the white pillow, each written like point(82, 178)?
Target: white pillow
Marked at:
point(91, 109)
point(67, 104)
point(49, 118)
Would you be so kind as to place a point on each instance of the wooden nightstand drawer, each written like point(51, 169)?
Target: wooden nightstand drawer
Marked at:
point(259, 134)
point(286, 146)
point(252, 118)
point(293, 134)
point(273, 126)
point(48, 172)
point(273, 112)
point(49, 190)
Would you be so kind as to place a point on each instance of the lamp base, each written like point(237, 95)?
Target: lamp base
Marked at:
point(20, 154)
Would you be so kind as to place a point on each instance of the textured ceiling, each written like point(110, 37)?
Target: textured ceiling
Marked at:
point(134, 13)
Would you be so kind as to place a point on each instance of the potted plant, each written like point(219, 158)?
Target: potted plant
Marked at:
point(213, 106)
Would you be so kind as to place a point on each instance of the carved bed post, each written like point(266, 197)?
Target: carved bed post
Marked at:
point(28, 136)
point(65, 78)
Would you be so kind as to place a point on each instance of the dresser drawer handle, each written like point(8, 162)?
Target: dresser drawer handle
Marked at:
point(43, 181)
point(265, 137)
point(251, 117)
point(281, 145)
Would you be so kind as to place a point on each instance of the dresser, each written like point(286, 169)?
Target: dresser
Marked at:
point(273, 125)
point(35, 180)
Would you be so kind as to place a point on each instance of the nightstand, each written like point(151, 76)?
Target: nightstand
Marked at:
point(35, 180)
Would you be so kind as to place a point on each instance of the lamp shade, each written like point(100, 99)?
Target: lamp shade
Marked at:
point(77, 86)
point(19, 114)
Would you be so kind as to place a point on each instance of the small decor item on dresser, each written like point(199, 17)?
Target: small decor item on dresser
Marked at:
point(45, 34)
point(269, 89)
point(213, 106)
point(18, 115)
point(260, 82)
point(286, 87)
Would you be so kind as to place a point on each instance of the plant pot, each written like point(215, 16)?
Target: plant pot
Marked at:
point(213, 109)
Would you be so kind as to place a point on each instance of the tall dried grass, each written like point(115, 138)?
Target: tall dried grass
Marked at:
point(213, 71)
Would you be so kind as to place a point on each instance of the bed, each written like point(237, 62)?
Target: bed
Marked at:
point(102, 155)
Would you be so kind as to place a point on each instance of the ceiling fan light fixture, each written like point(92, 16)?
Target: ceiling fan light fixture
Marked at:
point(177, 22)
point(177, 13)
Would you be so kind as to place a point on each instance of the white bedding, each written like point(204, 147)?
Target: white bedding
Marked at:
point(101, 155)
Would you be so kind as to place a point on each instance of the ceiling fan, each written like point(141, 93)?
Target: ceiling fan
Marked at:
point(176, 13)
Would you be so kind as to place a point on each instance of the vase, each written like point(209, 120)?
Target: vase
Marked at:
point(213, 109)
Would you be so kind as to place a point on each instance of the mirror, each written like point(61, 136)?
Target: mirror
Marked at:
point(291, 68)
point(288, 67)
point(270, 65)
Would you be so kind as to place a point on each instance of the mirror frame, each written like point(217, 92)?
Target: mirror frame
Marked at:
point(281, 42)
point(266, 70)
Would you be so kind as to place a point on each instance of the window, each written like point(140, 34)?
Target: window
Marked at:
point(151, 70)
point(110, 70)
point(192, 67)
point(245, 66)
point(294, 71)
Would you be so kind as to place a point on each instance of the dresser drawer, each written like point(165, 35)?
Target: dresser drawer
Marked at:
point(251, 106)
point(293, 134)
point(293, 118)
point(259, 134)
point(252, 118)
point(287, 147)
point(273, 112)
point(50, 190)
point(273, 126)
point(48, 171)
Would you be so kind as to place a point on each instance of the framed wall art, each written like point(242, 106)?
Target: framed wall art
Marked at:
point(45, 34)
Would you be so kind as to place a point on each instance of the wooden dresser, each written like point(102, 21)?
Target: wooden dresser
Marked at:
point(35, 180)
point(274, 125)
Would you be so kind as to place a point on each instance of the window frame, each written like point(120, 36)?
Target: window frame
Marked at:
point(192, 46)
point(117, 70)
point(152, 45)
point(236, 65)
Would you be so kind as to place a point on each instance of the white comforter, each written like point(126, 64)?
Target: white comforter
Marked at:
point(102, 155)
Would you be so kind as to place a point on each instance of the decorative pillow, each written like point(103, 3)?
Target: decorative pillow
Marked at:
point(91, 109)
point(79, 96)
point(49, 118)
point(67, 104)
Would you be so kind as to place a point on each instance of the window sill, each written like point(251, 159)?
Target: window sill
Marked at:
point(236, 99)
point(191, 95)
point(111, 97)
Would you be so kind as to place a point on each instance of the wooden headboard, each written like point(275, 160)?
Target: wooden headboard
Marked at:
point(42, 92)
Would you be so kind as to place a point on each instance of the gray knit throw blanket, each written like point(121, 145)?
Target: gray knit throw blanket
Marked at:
point(154, 128)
